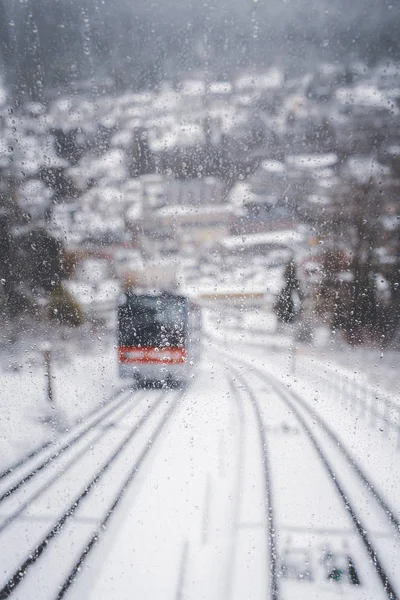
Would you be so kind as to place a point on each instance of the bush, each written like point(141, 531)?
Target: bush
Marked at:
point(64, 309)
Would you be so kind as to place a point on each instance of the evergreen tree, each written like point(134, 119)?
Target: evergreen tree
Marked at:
point(285, 306)
point(141, 160)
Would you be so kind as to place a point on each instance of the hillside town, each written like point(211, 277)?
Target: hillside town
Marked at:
point(212, 187)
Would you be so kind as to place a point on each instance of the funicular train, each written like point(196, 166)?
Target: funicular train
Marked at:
point(158, 337)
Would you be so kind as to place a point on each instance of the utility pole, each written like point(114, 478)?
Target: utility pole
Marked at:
point(47, 371)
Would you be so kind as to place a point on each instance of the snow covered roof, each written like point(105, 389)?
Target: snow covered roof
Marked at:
point(92, 270)
point(82, 292)
point(102, 197)
point(134, 212)
point(34, 196)
point(366, 95)
point(262, 81)
point(193, 87)
point(178, 134)
point(312, 161)
point(132, 188)
point(35, 109)
point(107, 290)
point(111, 166)
point(122, 138)
point(220, 87)
point(273, 166)
point(3, 93)
point(87, 295)
point(181, 210)
point(285, 237)
point(241, 194)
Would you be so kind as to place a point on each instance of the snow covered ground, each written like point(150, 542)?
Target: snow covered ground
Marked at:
point(83, 377)
point(270, 475)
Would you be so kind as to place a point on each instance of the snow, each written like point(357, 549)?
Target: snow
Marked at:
point(273, 78)
point(367, 96)
point(92, 270)
point(194, 211)
point(109, 167)
point(96, 298)
point(3, 94)
point(193, 87)
point(242, 194)
point(312, 161)
point(34, 197)
point(285, 237)
point(220, 87)
point(178, 134)
point(273, 166)
point(195, 511)
point(81, 380)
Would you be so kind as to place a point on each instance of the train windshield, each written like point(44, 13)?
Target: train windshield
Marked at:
point(153, 321)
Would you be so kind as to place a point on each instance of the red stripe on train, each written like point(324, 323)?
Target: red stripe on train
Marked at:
point(129, 354)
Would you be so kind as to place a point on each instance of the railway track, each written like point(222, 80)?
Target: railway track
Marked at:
point(56, 470)
point(237, 385)
point(372, 404)
point(358, 495)
point(33, 463)
point(82, 481)
point(36, 452)
point(56, 506)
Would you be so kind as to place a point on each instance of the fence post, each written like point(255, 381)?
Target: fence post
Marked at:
point(293, 361)
point(373, 408)
point(361, 397)
point(398, 428)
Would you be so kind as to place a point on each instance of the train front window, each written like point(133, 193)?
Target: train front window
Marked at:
point(152, 321)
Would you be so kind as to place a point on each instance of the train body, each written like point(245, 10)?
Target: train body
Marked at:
point(158, 337)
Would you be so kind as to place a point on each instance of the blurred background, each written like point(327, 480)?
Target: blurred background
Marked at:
point(246, 153)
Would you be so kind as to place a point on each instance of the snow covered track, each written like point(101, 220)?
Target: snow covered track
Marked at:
point(271, 566)
point(112, 402)
point(350, 506)
point(246, 489)
point(68, 443)
point(95, 537)
point(352, 463)
point(11, 469)
point(376, 525)
point(58, 470)
point(102, 457)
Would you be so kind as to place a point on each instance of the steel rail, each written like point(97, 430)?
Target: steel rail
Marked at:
point(41, 490)
point(56, 529)
point(67, 446)
point(10, 470)
point(117, 499)
point(270, 517)
point(357, 522)
point(351, 461)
